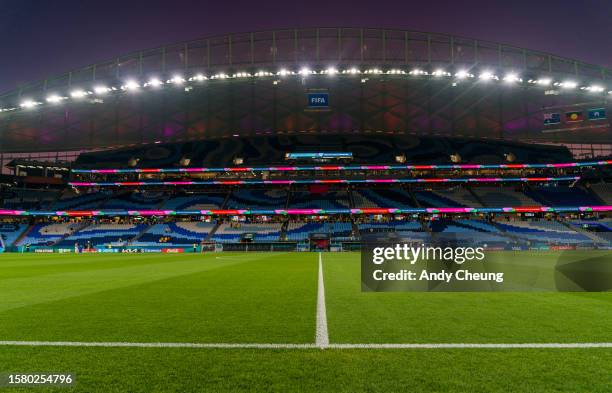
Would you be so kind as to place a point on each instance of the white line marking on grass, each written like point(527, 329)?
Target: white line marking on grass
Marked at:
point(304, 346)
point(154, 345)
point(322, 336)
point(471, 345)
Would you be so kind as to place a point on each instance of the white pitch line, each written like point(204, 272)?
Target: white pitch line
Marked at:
point(471, 345)
point(322, 335)
point(155, 345)
point(305, 346)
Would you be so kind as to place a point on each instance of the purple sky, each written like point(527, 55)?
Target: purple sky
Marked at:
point(46, 37)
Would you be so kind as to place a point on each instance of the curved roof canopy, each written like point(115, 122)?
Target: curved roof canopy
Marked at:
point(261, 83)
point(318, 47)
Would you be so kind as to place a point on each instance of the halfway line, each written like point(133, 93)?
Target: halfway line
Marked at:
point(322, 336)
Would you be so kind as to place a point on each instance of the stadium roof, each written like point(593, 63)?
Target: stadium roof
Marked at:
point(325, 45)
point(242, 71)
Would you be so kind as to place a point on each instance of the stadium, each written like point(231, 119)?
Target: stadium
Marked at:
point(187, 203)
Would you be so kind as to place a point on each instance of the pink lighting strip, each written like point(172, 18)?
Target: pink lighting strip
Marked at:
point(346, 168)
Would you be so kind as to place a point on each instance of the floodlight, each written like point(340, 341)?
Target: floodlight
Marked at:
point(595, 89)
point(154, 82)
point(131, 85)
point(486, 75)
point(512, 78)
point(569, 85)
point(28, 104)
point(100, 90)
point(78, 94)
point(54, 99)
point(177, 79)
point(461, 74)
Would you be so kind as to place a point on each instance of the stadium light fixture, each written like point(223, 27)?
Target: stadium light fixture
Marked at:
point(487, 75)
point(54, 99)
point(78, 93)
point(417, 71)
point(220, 76)
point(462, 74)
point(568, 85)
point(100, 90)
point(154, 82)
point(543, 81)
point(439, 72)
point(512, 78)
point(131, 85)
point(27, 104)
point(595, 89)
point(177, 80)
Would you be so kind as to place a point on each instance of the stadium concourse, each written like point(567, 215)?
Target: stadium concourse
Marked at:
point(311, 204)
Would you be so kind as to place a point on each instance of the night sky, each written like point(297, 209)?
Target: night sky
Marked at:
point(46, 37)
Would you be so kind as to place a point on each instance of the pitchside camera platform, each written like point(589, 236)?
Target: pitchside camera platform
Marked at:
point(447, 263)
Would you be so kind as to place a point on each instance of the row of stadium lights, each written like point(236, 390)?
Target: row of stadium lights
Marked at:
point(178, 80)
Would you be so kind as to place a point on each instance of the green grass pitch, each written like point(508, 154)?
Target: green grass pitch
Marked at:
point(272, 298)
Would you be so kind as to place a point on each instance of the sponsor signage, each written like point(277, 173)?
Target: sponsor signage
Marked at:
point(173, 250)
point(318, 155)
point(318, 100)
